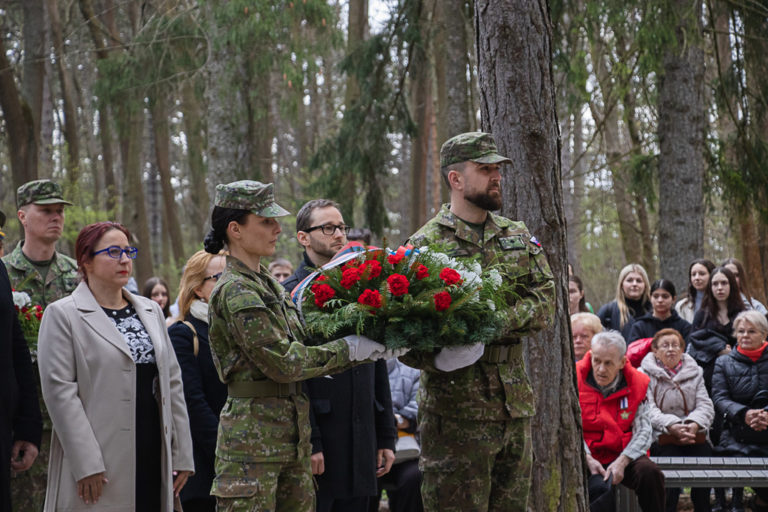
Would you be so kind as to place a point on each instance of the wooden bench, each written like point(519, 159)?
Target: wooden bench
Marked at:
point(702, 472)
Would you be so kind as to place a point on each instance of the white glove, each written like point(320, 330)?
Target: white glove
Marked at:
point(453, 358)
point(392, 353)
point(362, 348)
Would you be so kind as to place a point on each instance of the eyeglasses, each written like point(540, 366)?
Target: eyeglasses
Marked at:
point(330, 229)
point(747, 332)
point(215, 277)
point(116, 252)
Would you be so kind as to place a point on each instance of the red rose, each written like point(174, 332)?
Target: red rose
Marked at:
point(323, 293)
point(394, 259)
point(348, 265)
point(39, 315)
point(370, 298)
point(24, 309)
point(39, 308)
point(349, 277)
point(28, 317)
point(450, 276)
point(422, 272)
point(371, 269)
point(398, 284)
point(442, 301)
point(320, 279)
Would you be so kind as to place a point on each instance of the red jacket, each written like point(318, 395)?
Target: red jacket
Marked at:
point(607, 422)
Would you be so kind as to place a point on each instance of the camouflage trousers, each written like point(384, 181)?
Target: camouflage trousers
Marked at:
point(268, 487)
point(28, 487)
point(483, 466)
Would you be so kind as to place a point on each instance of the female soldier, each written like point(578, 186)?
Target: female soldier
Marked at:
point(263, 448)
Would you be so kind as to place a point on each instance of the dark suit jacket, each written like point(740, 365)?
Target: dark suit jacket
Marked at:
point(205, 395)
point(20, 418)
point(352, 418)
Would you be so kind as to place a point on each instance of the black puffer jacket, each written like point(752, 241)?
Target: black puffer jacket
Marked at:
point(704, 345)
point(648, 325)
point(735, 386)
point(611, 318)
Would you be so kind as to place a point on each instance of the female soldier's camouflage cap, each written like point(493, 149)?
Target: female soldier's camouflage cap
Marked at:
point(256, 197)
point(471, 147)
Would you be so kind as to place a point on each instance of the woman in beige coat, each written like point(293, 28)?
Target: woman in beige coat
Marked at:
point(113, 388)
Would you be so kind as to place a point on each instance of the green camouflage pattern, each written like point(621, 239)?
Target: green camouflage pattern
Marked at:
point(28, 487)
point(255, 335)
point(489, 391)
point(256, 197)
point(482, 467)
point(40, 192)
point(477, 147)
point(281, 487)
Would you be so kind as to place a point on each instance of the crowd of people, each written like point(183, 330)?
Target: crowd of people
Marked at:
point(671, 376)
point(215, 402)
point(218, 402)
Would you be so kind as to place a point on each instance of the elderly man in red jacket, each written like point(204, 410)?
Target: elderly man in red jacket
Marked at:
point(617, 426)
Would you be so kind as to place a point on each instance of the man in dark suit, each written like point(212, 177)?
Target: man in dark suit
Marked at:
point(20, 422)
point(353, 426)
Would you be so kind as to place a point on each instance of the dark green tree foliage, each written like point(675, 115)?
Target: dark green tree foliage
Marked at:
point(746, 182)
point(364, 143)
point(168, 49)
point(271, 36)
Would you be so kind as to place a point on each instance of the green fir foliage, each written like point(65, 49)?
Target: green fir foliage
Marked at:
point(364, 143)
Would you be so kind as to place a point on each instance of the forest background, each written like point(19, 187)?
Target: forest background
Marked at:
point(139, 108)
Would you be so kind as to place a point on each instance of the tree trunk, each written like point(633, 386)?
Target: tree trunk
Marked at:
point(134, 213)
point(450, 54)
point(357, 31)
point(19, 128)
point(421, 109)
point(194, 130)
point(33, 72)
point(681, 142)
point(162, 138)
point(68, 93)
point(518, 107)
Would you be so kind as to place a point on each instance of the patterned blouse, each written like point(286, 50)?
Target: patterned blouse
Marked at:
point(134, 333)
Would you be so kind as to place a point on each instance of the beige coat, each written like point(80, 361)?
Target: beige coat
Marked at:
point(89, 386)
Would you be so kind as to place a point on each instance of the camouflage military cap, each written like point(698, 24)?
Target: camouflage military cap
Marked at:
point(256, 197)
point(40, 192)
point(471, 146)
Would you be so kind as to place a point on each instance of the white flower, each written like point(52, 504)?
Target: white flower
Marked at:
point(495, 278)
point(491, 305)
point(21, 299)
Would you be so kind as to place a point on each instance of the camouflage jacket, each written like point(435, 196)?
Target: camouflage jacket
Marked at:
point(256, 335)
point(489, 391)
point(61, 280)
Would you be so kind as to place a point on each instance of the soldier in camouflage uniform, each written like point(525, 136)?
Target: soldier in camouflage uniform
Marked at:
point(475, 420)
point(263, 448)
point(35, 267)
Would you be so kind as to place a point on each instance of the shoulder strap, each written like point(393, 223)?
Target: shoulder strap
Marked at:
point(195, 342)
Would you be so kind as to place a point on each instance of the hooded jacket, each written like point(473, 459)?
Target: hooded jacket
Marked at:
point(677, 399)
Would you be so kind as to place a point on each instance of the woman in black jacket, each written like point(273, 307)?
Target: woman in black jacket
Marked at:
point(740, 393)
point(663, 315)
point(205, 394)
point(632, 300)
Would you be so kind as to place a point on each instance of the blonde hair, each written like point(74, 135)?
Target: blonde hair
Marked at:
point(621, 299)
point(192, 278)
point(755, 318)
point(588, 320)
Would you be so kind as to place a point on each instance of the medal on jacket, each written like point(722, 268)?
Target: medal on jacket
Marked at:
point(623, 404)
